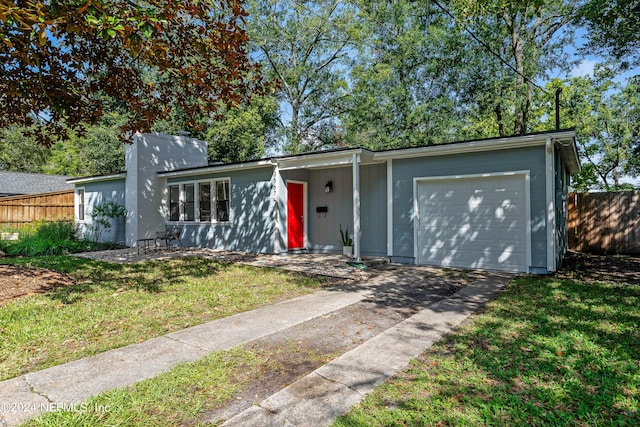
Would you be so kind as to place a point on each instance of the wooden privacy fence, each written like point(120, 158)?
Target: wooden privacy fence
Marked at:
point(19, 210)
point(605, 222)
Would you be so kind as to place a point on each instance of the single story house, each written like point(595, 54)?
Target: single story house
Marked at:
point(498, 203)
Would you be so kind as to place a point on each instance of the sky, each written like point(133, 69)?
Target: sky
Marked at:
point(588, 63)
point(586, 67)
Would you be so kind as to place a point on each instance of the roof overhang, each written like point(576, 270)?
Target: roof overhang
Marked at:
point(319, 160)
point(216, 169)
point(564, 140)
point(568, 152)
point(98, 178)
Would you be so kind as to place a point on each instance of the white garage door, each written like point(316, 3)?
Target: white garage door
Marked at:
point(474, 222)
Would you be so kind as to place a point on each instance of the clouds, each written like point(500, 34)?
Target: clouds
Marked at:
point(584, 68)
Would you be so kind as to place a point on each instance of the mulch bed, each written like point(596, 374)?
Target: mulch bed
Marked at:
point(19, 281)
point(601, 268)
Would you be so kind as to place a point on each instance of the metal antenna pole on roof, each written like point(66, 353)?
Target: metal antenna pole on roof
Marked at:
point(558, 91)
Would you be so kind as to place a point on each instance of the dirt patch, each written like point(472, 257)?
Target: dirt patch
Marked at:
point(600, 268)
point(298, 351)
point(19, 281)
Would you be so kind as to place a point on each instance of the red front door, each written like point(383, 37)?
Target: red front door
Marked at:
point(295, 215)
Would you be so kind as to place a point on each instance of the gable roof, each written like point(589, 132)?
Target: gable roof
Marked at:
point(22, 183)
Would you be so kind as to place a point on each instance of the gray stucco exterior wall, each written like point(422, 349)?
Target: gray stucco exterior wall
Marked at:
point(251, 220)
point(96, 193)
point(405, 170)
point(148, 155)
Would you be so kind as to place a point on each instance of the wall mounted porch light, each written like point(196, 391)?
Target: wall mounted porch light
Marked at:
point(329, 187)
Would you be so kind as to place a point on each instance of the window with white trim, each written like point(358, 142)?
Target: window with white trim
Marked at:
point(80, 198)
point(174, 203)
point(200, 201)
point(204, 201)
point(222, 200)
point(189, 202)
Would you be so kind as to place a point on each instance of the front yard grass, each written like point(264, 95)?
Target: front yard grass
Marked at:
point(184, 396)
point(176, 397)
point(548, 351)
point(112, 305)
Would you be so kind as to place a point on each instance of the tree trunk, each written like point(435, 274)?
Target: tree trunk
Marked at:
point(498, 111)
point(294, 144)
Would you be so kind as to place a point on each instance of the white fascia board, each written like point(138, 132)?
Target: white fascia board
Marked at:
point(569, 153)
point(216, 169)
point(473, 146)
point(322, 160)
point(319, 163)
point(100, 178)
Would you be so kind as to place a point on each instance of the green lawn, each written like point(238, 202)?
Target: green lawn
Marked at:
point(112, 305)
point(177, 397)
point(546, 352)
point(185, 395)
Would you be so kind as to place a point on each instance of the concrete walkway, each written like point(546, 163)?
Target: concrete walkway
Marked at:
point(328, 392)
point(315, 400)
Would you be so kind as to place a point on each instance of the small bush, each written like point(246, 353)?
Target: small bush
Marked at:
point(102, 216)
point(57, 230)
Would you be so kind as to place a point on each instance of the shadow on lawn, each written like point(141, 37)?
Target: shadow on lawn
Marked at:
point(153, 276)
point(550, 352)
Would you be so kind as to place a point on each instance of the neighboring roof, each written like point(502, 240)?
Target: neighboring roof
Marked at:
point(22, 183)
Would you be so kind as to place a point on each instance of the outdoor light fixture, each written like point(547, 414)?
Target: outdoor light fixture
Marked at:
point(329, 187)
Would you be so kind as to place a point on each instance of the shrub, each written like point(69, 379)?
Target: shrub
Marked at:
point(47, 238)
point(102, 215)
point(57, 230)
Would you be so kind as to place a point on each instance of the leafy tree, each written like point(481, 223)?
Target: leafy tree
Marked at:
point(442, 71)
point(520, 42)
point(613, 30)
point(243, 133)
point(305, 47)
point(401, 84)
point(58, 59)
point(20, 152)
point(605, 116)
point(98, 151)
